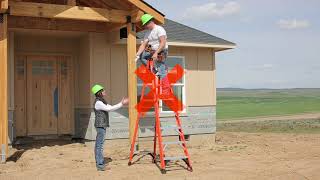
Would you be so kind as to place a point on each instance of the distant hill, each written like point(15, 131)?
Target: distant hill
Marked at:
point(243, 89)
point(230, 89)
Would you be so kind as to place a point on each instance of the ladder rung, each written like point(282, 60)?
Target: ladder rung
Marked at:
point(174, 127)
point(173, 142)
point(142, 152)
point(175, 158)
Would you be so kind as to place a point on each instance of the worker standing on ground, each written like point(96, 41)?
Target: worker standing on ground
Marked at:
point(155, 47)
point(101, 109)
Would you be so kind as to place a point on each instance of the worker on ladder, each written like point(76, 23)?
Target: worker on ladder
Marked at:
point(152, 53)
point(155, 47)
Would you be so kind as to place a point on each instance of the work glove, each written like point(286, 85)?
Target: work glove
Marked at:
point(136, 59)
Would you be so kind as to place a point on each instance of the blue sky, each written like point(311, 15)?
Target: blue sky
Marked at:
point(278, 41)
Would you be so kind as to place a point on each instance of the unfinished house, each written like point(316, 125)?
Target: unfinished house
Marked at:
point(53, 51)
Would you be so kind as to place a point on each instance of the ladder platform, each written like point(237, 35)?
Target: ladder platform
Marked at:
point(175, 158)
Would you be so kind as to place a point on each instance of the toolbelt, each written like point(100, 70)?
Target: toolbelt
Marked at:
point(161, 55)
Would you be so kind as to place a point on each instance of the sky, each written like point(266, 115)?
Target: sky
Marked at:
point(278, 41)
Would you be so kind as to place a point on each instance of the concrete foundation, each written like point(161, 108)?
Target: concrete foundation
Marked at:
point(197, 120)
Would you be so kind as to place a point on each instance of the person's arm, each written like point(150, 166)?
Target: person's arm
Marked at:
point(103, 107)
point(142, 47)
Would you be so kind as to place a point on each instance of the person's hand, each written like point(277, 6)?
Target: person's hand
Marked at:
point(136, 59)
point(155, 56)
point(125, 101)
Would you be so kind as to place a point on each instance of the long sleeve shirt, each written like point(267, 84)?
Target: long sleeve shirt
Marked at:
point(103, 107)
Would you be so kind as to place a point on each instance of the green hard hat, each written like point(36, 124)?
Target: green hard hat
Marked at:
point(96, 88)
point(146, 18)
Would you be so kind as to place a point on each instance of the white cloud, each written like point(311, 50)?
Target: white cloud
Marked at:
point(293, 24)
point(211, 10)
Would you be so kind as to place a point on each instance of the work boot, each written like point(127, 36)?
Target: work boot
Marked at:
point(102, 168)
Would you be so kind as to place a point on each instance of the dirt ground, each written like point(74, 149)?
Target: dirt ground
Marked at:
point(233, 156)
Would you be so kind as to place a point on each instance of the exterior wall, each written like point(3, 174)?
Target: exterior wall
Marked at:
point(82, 84)
point(46, 44)
point(108, 66)
point(200, 76)
point(11, 132)
point(99, 60)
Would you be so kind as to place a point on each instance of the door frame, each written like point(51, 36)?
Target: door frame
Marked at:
point(24, 56)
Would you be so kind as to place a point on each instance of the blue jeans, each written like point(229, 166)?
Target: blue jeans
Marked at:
point(98, 149)
point(160, 65)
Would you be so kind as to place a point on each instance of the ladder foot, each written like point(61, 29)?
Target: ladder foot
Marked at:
point(163, 171)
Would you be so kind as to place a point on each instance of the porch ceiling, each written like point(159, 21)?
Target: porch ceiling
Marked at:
point(110, 11)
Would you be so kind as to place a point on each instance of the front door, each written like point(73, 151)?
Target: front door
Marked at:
point(45, 91)
point(42, 95)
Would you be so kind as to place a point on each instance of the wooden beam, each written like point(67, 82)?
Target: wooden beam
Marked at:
point(144, 7)
point(3, 88)
point(135, 18)
point(116, 28)
point(16, 22)
point(72, 2)
point(3, 6)
point(132, 78)
point(136, 15)
point(93, 4)
point(67, 12)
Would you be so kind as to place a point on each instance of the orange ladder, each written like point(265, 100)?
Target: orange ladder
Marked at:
point(156, 89)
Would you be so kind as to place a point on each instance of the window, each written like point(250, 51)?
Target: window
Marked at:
point(178, 88)
point(42, 67)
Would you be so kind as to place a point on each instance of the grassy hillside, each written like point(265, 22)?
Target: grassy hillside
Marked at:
point(241, 103)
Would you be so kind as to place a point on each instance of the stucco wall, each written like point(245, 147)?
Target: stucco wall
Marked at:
point(98, 60)
point(82, 78)
point(200, 76)
point(108, 66)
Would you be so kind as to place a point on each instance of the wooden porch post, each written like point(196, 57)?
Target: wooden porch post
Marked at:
point(3, 88)
point(132, 79)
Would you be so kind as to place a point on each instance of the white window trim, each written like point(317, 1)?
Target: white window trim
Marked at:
point(179, 84)
point(184, 98)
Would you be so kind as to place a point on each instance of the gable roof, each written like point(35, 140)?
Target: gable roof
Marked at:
point(187, 36)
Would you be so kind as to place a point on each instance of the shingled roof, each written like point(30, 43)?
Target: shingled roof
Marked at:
point(177, 32)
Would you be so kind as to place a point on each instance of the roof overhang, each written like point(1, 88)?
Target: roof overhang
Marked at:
point(216, 47)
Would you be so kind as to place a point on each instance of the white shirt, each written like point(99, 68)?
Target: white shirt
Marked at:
point(100, 106)
point(153, 37)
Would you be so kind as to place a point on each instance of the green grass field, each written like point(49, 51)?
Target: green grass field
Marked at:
point(238, 103)
point(309, 126)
